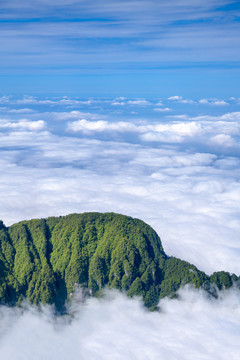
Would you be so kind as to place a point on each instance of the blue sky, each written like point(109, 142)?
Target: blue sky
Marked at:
point(113, 48)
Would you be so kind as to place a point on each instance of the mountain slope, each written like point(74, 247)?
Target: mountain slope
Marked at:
point(45, 259)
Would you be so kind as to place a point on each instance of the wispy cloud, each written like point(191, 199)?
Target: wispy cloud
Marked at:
point(32, 100)
point(116, 9)
point(162, 109)
point(215, 102)
point(20, 111)
point(134, 102)
point(141, 102)
point(180, 99)
point(62, 35)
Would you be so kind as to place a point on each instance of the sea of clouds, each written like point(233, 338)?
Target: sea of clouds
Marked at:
point(116, 327)
point(179, 172)
point(176, 169)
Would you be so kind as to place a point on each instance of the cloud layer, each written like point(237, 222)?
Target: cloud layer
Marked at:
point(179, 173)
point(192, 326)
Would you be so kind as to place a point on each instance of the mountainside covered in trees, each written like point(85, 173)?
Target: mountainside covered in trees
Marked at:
point(44, 260)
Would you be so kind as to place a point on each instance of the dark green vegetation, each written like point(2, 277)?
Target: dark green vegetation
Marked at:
point(44, 260)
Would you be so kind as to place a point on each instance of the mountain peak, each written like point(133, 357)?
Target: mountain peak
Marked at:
point(44, 259)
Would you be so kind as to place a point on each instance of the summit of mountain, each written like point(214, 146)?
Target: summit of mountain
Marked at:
point(45, 260)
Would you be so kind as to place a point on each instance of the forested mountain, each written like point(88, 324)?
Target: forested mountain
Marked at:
point(44, 260)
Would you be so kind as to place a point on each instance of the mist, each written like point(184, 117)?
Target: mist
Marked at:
point(193, 326)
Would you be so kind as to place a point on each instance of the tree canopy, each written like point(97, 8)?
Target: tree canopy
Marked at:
point(44, 260)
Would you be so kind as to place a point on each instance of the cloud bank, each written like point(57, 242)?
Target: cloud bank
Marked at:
point(198, 130)
point(179, 173)
point(192, 326)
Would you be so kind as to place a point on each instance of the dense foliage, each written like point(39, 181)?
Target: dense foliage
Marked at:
point(45, 260)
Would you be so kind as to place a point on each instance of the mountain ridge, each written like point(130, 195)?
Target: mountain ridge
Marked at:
point(44, 260)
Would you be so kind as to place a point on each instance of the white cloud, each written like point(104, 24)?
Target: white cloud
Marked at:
point(203, 101)
point(148, 36)
point(118, 103)
point(4, 99)
point(32, 100)
point(175, 132)
point(178, 174)
point(223, 140)
point(162, 109)
point(120, 98)
point(220, 103)
point(191, 326)
point(215, 120)
point(100, 126)
point(75, 114)
point(23, 124)
point(140, 102)
point(186, 101)
point(234, 116)
point(171, 190)
point(85, 125)
point(175, 98)
point(20, 111)
point(215, 102)
point(202, 128)
point(180, 99)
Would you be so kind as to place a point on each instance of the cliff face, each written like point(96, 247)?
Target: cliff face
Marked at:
point(44, 260)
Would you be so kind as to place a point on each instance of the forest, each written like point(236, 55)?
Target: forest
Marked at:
point(46, 260)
